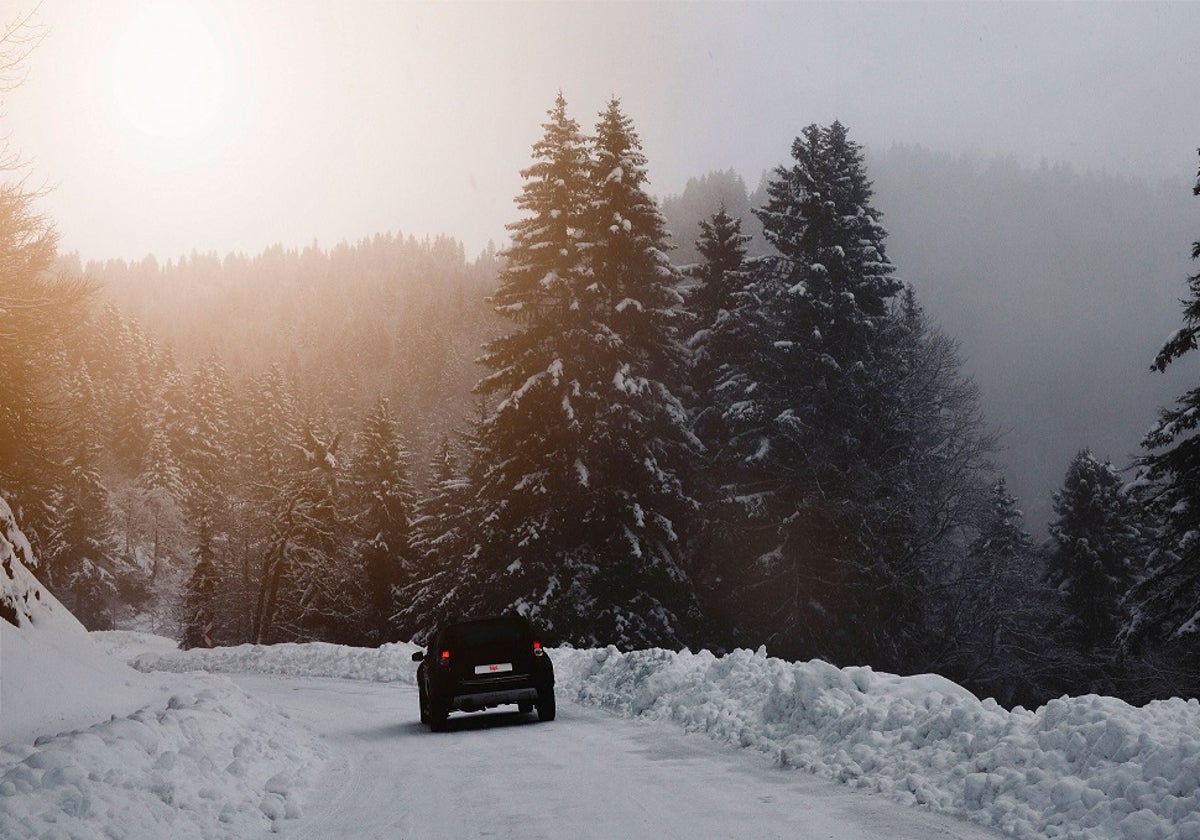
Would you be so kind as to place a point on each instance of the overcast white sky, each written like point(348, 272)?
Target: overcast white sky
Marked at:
point(165, 127)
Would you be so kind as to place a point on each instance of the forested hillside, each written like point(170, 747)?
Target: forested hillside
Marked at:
point(774, 437)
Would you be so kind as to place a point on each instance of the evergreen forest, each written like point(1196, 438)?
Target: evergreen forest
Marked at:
point(728, 418)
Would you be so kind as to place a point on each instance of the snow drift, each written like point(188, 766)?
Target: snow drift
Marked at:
point(1083, 767)
point(90, 747)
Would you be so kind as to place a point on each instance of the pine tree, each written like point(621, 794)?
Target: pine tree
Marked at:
point(579, 491)
point(302, 593)
point(1096, 542)
point(808, 401)
point(385, 499)
point(80, 565)
point(442, 544)
point(1166, 605)
point(987, 628)
point(201, 607)
point(718, 278)
point(722, 248)
point(38, 309)
point(163, 493)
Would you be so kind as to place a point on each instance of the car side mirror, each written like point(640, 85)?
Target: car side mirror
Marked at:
point(418, 656)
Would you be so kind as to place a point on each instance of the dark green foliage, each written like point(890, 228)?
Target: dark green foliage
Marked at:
point(201, 604)
point(1096, 543)
point(1165, 606)
point(577, 490)
point(806, 406)
point(385, 501)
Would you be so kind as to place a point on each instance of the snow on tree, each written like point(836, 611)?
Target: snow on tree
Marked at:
point(385, 502)
point(722, 248)
point(579, 491)
point(162, 492)
point(201, 598)
point(80, 561)
point(442, 542)
point(1096, 541)
point(289, 530)
point(1166, 604)
point(987, 630)
point(843, 412)
point(24, 601)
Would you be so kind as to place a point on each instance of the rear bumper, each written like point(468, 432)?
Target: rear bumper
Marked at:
point(488, 699)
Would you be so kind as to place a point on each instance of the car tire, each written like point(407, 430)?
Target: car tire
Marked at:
point(525, 707)
point(424, 702)
point(545, 707)
point(438, 713)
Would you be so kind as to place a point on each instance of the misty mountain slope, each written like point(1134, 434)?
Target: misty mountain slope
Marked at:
point(386, 316)
point(1060, 287)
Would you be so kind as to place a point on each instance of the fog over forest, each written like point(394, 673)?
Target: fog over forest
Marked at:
point(860, 332)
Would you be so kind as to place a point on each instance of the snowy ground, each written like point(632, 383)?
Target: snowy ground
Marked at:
point(321, 740)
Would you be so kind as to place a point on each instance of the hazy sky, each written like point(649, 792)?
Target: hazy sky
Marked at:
point(165, 127)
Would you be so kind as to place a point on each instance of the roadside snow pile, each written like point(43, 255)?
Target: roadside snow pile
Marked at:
point(134, 755)
point(216, 763)
point(388, 663)
point(1081, 767)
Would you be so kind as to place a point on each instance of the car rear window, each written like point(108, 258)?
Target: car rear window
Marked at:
point(486, 633)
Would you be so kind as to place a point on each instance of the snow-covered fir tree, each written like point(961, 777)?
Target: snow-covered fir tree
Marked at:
point(716, 281)
point(579, 492)
point(80, 563)
point(722, 249)
point(442, 540)
point(987, 630)
point(816, 417)
point(1166, 605)
point(39, 310)
point(162, 495)
point(1096, 543)
point(384, 502)
point(201, 596)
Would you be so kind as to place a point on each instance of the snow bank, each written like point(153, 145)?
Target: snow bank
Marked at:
point(1084, 767)
point(388, 663)
point(218, 763)
point(90, 748)
point(1091, 767)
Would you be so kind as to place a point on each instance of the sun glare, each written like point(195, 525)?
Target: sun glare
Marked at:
point(171, 82)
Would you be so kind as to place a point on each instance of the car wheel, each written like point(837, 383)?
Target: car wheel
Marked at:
point(545, 707)
point(424, 702)
point(525, 707)
point(438, 713)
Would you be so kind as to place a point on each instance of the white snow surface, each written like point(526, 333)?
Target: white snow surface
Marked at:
point(211, 760)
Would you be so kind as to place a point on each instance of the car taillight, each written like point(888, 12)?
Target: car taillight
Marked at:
point(444, 659)
point(537, 648)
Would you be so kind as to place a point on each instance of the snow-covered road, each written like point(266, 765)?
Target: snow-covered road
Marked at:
point(589, 774)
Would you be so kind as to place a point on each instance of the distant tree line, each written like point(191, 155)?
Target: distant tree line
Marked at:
point(772, 447)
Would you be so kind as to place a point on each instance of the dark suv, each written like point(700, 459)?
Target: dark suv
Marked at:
point(479, 664)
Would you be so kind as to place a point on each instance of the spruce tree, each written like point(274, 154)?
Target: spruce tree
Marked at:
point(722, 249)
point(442, 545)
point(579, 492)
point(162, 493)
point(201, 607)
point(80, 565)
point(1167, 602)
point(807, 402)
point(385, 501)
point(1096, 541)
point(718, 278)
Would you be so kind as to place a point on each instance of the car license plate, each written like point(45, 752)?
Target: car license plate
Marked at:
point(498, 668)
